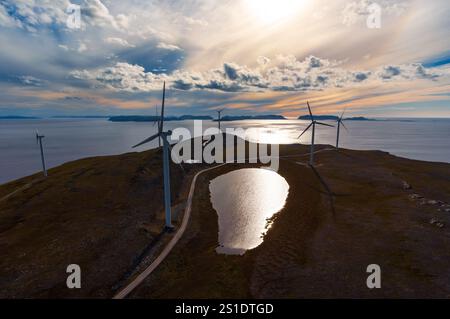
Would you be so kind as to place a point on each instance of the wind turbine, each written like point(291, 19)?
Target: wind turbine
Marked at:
point(313, 125)
point(39, 141)
point(166, 166)
point(340, 121)
point(219, 116)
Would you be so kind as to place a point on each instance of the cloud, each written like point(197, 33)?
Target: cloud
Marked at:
point(122, 76)
point(262, 60)
point(285, 73)
point(82, 47)
point(63, 47)
point(96, 13)
point(390, 72)
point(6, 20)
point(34, 14)
point(361, 76)
point(123, 21)
point(30, 80)
point(169, 47)
point(119, 42)
point(411, 71)
point(198, 22)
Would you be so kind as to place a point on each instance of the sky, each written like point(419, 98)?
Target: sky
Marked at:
point(384, 58)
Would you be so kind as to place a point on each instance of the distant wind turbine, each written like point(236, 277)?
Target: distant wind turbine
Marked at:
point(313, 125)
point(340, 121)
point(166, 166)
point(39, 141)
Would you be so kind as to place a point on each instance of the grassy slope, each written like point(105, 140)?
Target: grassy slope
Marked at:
point(91, 212)
point(321, 245)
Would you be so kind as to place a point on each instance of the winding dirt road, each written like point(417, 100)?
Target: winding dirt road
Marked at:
point(187, 213)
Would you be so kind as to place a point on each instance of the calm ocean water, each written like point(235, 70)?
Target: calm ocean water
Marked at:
point(71, 139)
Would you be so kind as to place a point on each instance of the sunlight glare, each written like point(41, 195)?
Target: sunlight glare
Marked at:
point(272, 11)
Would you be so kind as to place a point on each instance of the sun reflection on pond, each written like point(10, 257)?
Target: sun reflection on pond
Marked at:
point(245, 200)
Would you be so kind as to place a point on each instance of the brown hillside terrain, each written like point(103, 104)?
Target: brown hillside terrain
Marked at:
point(354, 209)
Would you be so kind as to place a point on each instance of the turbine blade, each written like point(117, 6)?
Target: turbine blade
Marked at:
point(325, 124)
point(344, 126)
point(148, 140)
point(342, 115)
point(306, 129)
point(310, 112)
point(161, 120)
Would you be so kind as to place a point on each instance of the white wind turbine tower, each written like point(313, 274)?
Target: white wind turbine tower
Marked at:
point(39, 141)
point(313, 125)
point(340, 121)
point(166, 165)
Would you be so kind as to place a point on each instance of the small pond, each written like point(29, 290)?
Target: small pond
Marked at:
point(245, 201)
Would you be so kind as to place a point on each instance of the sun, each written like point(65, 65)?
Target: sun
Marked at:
point(274, 11)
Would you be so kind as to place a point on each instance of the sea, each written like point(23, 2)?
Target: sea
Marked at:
point(71, 139)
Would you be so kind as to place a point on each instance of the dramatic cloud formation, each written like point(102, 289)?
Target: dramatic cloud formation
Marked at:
point(285, 73)
point(33, 14)
point(217, 53)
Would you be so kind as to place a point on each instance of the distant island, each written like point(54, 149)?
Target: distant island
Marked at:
point(359, 118)
point(143, 118)
point(80, 117)
point(334, 118)
point(319, 117)
point(15, 117)
point(229, 118)
point(194, 117)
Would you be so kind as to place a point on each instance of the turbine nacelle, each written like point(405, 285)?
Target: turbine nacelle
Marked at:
point(38, 136)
